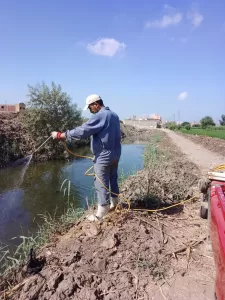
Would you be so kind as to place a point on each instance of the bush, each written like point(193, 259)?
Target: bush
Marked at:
point(206, 122)
point(184, 124)
point(187, 127)
point(172, 126)
point(222, 121)
point(50, 109)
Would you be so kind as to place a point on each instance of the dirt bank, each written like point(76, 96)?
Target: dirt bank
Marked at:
point(131, 255)
point(167, 177)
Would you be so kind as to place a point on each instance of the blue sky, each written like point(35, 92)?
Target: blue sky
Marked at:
point(142, 57)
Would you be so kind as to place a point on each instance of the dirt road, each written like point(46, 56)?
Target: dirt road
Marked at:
point(199, 155)
point(204, 159)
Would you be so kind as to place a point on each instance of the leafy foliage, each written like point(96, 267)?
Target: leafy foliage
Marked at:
point(171, 125)
point(222, 121)
point(49, 109)
point(206, 122)
point(185, 123)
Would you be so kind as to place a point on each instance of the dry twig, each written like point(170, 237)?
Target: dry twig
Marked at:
point(191, 244)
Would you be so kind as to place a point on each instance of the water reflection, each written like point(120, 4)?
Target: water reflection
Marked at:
point(21, 207)
point(12, 214)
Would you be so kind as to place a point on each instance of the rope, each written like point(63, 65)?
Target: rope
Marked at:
point(219, 168)
point(127, 201)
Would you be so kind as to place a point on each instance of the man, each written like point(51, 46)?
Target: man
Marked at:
point(104, 129)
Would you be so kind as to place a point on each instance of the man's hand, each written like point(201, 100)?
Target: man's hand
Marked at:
point(56, 135)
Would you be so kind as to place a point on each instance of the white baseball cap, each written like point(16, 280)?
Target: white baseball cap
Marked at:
point(91, 99)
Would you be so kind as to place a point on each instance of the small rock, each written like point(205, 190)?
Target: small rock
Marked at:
point(90, 229)
point(101, 264)
point(116, 266)
point(110, 242)
point(48, 253)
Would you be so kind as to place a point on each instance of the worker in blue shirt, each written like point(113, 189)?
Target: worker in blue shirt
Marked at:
point(104, 129)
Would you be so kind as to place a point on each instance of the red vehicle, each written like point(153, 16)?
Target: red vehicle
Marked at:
point(216, 215)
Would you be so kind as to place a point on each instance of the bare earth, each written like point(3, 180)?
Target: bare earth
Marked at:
point(202, 157)
point(212, 144)
point(135, 255)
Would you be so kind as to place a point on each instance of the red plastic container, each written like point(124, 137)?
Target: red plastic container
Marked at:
point(217, 234)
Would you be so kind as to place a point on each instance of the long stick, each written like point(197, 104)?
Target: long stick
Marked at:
point(42, 144)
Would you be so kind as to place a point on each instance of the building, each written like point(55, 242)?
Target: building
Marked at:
point(4, 108)
point(195, 123)
point(155, 117)
point(140, 123)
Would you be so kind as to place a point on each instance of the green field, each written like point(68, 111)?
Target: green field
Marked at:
point(207, 132)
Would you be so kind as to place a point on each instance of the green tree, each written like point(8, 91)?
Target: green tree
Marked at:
point(187, 126)
point(206, 122)
point(49, 109)
point(185, 123)
point(222, 121)
point(172, 125)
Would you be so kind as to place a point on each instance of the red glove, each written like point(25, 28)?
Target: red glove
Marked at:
point(56, 135)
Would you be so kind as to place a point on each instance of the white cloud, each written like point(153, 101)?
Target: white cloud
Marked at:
point(195, 17)
point(166, 21)
point(182, 96)
point(106, 47)
point(184, 40)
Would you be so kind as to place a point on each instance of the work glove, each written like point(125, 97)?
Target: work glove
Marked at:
point(56, 135)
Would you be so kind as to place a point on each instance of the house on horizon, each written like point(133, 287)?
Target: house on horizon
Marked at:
point(155, 117)
point(4, 108)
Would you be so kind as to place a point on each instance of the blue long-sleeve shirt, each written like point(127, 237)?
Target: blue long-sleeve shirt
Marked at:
point(104, 130)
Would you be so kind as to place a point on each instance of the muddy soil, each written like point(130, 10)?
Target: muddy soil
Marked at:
point(131, 254)
point(213, 144)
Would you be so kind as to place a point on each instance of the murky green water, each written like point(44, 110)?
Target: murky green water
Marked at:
point(21, 206)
